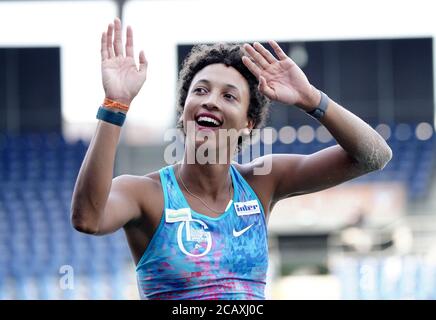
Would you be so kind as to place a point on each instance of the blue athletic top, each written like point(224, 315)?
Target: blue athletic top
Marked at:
point(193, 256)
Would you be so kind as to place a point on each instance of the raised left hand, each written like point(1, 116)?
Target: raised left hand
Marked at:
point(280, 79)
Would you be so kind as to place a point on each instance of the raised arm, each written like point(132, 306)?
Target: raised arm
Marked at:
point(100, 205)
point(361, 149)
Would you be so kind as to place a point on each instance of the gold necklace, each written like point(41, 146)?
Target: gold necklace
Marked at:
point(197, 197)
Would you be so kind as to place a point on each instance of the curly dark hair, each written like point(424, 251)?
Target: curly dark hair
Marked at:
point(230, 55)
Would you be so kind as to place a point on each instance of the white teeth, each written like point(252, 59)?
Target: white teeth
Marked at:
point(203, 118)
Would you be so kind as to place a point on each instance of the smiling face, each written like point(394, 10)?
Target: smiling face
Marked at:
point(224, 54)
point(218, 99)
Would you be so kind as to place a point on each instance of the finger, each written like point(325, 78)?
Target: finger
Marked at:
point(142, 62)
point(110, 49)
point(279, 52)
point(265, 89)
point(256, 56)
point(118, 42)
point(104, 54)
point(129, 42)
point(254, 69)
point(265, 53)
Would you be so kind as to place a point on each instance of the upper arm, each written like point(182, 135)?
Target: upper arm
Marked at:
point(124, 202)
point(301, 174)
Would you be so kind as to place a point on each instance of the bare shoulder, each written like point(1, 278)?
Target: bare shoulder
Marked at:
point(145, 190)
point(266, 173)
point(257, 173)
point(138, 184)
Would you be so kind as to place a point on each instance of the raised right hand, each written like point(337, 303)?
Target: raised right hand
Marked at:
point(122, 79)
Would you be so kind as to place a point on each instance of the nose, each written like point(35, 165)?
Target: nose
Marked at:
point(210, 102)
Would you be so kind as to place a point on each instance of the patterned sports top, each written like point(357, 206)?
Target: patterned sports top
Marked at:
point(193, 256)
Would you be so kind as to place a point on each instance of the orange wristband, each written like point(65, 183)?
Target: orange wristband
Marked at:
point(108, 103)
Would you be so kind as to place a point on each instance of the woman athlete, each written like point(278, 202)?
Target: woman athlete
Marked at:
point(198, 229)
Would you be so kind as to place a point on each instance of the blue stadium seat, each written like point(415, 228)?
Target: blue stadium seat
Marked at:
point(37, 176)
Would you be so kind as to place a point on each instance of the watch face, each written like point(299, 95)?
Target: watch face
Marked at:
point(317, 113)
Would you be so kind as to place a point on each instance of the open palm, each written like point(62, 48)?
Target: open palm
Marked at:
point(279, 79)
point(121, 77)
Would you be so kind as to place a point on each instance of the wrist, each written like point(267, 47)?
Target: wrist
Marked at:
point(114, 109)
point(118, 105)
point(311, 100)
point(120, 99)
point(319, 111)
point(111, 116)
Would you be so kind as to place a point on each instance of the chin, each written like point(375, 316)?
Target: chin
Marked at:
point(209, 151)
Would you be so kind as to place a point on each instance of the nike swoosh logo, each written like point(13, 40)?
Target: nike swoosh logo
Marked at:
point(241, 232)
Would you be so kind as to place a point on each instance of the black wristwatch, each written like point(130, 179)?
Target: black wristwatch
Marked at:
point(319, 112)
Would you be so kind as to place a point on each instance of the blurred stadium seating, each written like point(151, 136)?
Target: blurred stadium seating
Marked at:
point(413, 147)
point(398, 263)
point(37, 175)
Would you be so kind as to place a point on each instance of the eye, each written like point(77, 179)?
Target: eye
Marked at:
point(200, 90)
point(229, 96)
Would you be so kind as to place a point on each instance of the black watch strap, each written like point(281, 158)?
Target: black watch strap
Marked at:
point(319, 112)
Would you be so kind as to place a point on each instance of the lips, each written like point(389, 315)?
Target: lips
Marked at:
point(208, 120)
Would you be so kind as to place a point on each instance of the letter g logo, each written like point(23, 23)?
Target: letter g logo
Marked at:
point(196, 235)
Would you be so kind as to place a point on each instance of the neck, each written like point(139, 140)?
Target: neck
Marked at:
point(210, 154)
point(207, 180)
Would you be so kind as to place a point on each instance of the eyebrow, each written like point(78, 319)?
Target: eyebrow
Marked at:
point(227, 84)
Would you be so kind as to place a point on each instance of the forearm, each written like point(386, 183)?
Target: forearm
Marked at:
point(95, 177)
point(356, 137)
point(283, 81)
